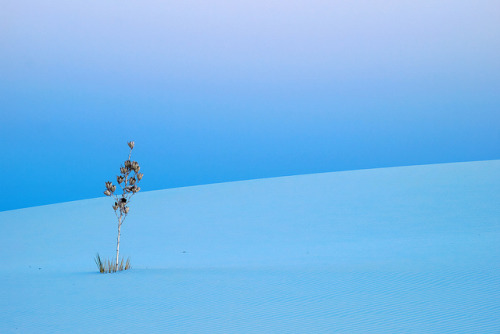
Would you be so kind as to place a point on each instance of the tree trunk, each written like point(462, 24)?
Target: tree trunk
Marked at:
point(118, 240)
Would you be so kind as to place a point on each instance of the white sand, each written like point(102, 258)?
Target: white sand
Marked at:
point(410, 249)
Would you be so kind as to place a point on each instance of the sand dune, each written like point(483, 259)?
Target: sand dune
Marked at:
point(393, 250)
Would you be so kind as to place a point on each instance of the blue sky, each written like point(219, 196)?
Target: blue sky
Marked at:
point(230, 90)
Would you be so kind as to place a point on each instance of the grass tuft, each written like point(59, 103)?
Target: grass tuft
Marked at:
point(108, 266)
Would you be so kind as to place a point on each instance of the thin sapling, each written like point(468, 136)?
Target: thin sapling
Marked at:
point(128, 181)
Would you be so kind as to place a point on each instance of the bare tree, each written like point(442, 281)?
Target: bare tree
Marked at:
point(128, 181)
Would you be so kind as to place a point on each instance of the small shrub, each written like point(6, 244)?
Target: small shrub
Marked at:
point(128, 181)
point(107, 266)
